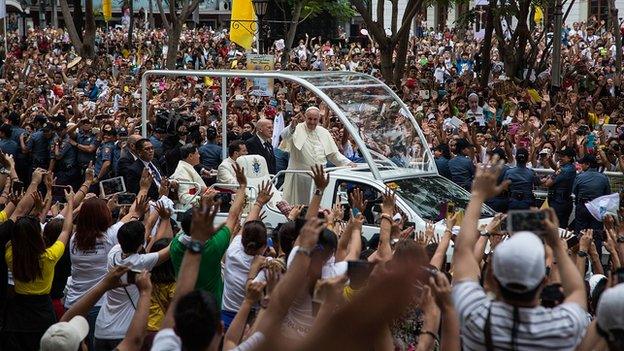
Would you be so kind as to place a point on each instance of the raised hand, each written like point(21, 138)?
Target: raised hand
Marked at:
point(486, 176)
point(551, 226)
point(356, 199)
point(38, 203)
point(90, 173)
point(253, 291)
point(165, 185)
point(146, 180)
point(240, 174)
point(388, 203)
point(264, 193)
point(586, 239)
point(441, 289)
point(309, 234)
point(112, 279)
point(143, 281)
point(202, 224)
point(320, 179)
point(163, 212)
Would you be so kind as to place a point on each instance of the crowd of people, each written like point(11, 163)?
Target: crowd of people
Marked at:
point(154, 270)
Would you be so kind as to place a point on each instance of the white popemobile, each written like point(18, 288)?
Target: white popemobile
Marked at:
point(393, 151)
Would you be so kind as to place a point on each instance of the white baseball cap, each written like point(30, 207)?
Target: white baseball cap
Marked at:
point(519, 262)
point(593, 282)
point(610, 310)
point(65, 336)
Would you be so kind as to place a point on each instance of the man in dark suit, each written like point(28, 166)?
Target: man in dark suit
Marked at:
point(260, 143)
point(128, 155)
point(145, 153)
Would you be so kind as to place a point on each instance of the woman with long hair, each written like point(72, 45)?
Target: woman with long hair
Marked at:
point(95, 235)
point(30, 312)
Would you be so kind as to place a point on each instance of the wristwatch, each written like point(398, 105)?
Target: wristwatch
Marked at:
point(582, 253)
point(318, 192)
point(307, 252)
point(620, 239)
point(485, 234)
point(195, 246)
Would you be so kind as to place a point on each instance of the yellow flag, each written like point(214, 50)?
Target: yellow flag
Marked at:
point(107, 9)
point(242, 32)
point(539, 15)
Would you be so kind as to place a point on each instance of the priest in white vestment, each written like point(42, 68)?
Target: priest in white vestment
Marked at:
point(185, 172)
point(309, 144)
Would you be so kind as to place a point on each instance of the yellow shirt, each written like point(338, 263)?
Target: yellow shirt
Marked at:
point(3, 216)
point(39, 286)
point(162, 294)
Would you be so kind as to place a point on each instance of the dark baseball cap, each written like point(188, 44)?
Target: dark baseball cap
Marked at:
point(462, 144)
point(500, 152)
point(567, 151)
point(588, 159)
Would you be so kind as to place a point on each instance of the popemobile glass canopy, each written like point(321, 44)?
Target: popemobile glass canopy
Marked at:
point(380, 124)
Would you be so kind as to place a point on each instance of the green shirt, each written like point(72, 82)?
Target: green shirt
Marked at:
point(209, 277)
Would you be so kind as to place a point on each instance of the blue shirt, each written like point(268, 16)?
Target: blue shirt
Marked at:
point(443, 167)
point(66, 160)
point(158, 146)
point(106, 152)
point(39, 148)
point(563, 181)
point(522, 180)
point(82, 138)
point(210, 155)
point(462, 171)
point(590, 185)
point(8, 146)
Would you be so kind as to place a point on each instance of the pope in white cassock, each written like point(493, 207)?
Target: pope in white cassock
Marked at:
point(309, 144)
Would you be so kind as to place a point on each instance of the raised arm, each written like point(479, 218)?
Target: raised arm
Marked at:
point(138, 326)
point(464, 261)
point(320, 182)
point(571, 280)
point(25, 204)
point(234, 334)
point(239, 198)
point(439, 256)
point(68, 215)
point(264, 196)
point(384, 250)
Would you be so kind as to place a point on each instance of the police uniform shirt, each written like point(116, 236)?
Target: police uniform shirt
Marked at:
point(39, 148)
point(16, 132)
point(106, 152)
point(88, 139)
point(158, 146)
point(563, 181)
point(66, 160)
point(462, 170)
point(522, 181)
point(8, 146)
point(210, 155)
point(590, 185)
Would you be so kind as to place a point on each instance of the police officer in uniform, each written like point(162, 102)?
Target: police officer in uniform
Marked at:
point(106, 153)
point(499, 203)
point(589, 185)
point(522, 181)
point(7, 145)
point(19, 136)
point(39, 145)
point(560, 186)
point(461, 166)
point(86, 144)
point(157, 140)
point(64, 160)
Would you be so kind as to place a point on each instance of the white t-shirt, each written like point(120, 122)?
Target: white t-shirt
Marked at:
point(120, 303)
point(88, 267)
point(538, 328)
point(237, 264)
point(167, 340)
point(300, 316)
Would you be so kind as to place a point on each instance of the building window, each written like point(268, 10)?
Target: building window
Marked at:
point(600, 9)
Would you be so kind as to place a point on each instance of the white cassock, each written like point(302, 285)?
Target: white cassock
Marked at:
point(186, 192)
point(307, 148)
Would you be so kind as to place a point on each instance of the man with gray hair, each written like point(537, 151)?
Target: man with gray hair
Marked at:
point(309, 144)
point(475, 112)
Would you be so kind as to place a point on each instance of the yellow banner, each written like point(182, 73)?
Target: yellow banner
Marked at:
point(107, 9)
point(242, 23)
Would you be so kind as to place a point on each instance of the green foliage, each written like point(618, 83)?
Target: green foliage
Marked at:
point(340, 9)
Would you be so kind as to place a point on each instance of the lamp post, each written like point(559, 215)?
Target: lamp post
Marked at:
point(260, 8)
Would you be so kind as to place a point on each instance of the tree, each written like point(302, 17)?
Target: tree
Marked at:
point(175, 24)
point(390, 39)
point(84, 44)
point(309, 9)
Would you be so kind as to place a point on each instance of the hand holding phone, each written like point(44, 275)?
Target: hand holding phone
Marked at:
point(525, 220)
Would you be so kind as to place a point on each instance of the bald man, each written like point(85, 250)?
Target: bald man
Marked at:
point(128, 155)
point(309, 144)
point(260, 143)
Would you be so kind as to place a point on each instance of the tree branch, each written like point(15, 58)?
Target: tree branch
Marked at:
point(411, 10)
point(162, 14)
point(380, 11)
point(395, 16)
point(375, 29)
point(187, 10)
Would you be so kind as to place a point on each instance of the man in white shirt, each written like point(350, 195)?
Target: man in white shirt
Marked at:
point(475, 111)
point(225, 172)
point(120, 303)
point(186, 172)
point(514, 319)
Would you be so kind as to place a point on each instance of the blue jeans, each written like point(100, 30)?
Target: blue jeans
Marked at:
point(227, 317)
point(91, 317)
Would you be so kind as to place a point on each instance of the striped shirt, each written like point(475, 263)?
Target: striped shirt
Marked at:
point(539, 328)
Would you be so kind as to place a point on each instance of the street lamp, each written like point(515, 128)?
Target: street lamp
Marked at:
point(260, 8)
